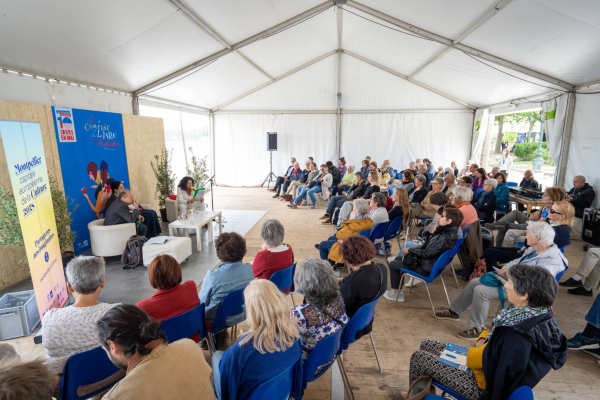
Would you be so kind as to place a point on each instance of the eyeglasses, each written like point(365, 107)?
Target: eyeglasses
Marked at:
point(554, 212)
point(443, 216)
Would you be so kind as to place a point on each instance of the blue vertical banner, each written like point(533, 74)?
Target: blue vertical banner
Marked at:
point(92, 155)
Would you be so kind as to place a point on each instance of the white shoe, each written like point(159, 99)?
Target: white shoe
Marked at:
point(390, 259)
point(413, 282)
point(392, 293)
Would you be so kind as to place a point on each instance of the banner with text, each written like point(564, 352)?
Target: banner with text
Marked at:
point(92, 155)
point(29, 177)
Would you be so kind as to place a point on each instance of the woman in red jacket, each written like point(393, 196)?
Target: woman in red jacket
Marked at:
point(172, 297)
point(275, 255)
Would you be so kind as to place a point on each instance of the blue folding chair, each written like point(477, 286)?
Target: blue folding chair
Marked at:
point(436, 271)
point(512, 184)
point(232, 304)
point(455, 251)
point(378, 233)
point(394, 229)
point(522, 393)
point(477, 192)
point(560, 274)
point(398, 175)
point(284, 279)
point(505, 210)
point(393, 189)
point(324, 351)
point(430, 176)
point(366, 233)
point(278, 388)
point(186, 325)
point(433, 397)
point(446, 391)
point(359, 321)
point(89, 368)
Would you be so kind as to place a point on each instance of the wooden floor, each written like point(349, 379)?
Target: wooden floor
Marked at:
point(399, 330)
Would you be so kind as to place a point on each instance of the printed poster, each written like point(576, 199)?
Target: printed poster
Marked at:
point(29, 177)
point(90, 160)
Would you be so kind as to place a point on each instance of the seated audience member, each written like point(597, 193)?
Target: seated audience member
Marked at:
point(384, 177)
point(505, 162)
point(448, 170)
point(412, 166)
point(346, 183)
point(440, 173)
point(422, 259)
point(466, 181)
point(275, 255)
point(282, 179)
point(321, 183)
point(423, 171)
point(430, 167)
point(424, 209)
point(356, 191)
point(449, 184)
point(420, 190)
point(454, 169)
point(185, 200)
point(294, 176)
point(150, 220)
point(119, 213)
point(518, 220)
point(358, 222)
point(495, 170)
point(587, 277)
point(371, 188)
point(588, 339)
point(378, 212)
point(485, 201)
point(297, 186)
point(269, 348)
point(467, 171)
point(335, 173)
point(72, 330)
point(172, 297)
point(290, 193)
point(231, 274)
point(419, 161)
point(323, 312)
point(560, 218)
point(528, 182)
point(116, 187)
point(365, 169)
point(479, 178)
point(582, 196)
point(524, 343)
point(462, 200)
point(27, 381)
point(155, 369)
point(408, 183)
point(367, 281)
point(8, 355)
point(342, 166)
point(502, 191)
point(401, 205)
point(542, 252)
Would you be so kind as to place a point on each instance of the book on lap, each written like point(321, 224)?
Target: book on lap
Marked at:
point(454, 356)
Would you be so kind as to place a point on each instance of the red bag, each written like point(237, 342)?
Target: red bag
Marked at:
point(479, 271)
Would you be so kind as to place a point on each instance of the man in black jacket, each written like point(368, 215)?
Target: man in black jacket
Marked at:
point(581, 196)
point(357, 190)
point(528, 182)
point(119, 213)
point(281, 179)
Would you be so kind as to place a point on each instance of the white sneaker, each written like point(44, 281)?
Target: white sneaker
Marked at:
point(413, 282)
point(390, 259)
point(392, 293)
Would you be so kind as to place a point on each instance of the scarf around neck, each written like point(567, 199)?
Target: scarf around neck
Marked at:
point(512, 316)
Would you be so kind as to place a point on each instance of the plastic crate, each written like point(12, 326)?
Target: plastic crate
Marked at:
point(18, 314)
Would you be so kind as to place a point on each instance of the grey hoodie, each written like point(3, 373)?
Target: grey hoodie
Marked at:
point(552, 259)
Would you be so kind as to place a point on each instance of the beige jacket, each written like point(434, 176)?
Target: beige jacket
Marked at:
point(171, 371)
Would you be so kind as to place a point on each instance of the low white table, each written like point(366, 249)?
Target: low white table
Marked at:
point(202, 218)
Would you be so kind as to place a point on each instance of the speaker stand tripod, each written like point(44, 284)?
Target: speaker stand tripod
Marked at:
point(271, 177)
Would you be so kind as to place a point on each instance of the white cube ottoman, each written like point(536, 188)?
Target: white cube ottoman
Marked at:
point(179, 248)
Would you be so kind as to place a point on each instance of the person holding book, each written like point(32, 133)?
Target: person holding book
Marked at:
point(185, 197)
point(519, 349)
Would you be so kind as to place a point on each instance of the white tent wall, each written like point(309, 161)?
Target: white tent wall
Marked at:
point(25, 89)
point(241, 156)
point(404, 137)
point(584, 151)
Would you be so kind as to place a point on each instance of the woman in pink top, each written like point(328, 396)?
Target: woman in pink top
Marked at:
point(462, 199)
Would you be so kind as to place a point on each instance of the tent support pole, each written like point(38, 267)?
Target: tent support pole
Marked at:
point(564, 154)
point(136, 105)
point(338, 133)
point(211, 126)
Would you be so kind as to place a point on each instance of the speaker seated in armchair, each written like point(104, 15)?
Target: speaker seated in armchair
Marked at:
point(185, 199)
point(150, 219)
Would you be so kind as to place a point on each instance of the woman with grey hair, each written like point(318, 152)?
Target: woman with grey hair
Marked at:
point(275, 255)
point(424, 208)
point(323, 312)
point(72, 330)
point(485, 201)
point(420, 189)
point(522, 345)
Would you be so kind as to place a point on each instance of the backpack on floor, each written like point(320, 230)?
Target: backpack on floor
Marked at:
point(132, 256)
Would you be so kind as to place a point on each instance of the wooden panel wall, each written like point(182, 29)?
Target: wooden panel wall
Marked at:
point(144, 138)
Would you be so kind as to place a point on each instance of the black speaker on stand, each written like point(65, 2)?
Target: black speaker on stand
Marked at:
point(271, 147)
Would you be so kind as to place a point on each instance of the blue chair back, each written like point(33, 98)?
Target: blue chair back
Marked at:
point(466, 229)
point(477, 192)
point(360, 320)
point(433, 397)
point(366, 233)
point(439, 265)
point(278, 388)
point(232, 304)
point(445, 390)
point(393, 189)
point(86, 368)
point(284, 278)
point(562, 249)
point(560, 274)
point(186, 325)
point(522, 393)
point(379, 231)
point(456, 249)
point(393, 229)
point(430, 176)
point(398, 175)
point(324, 351)
point(512, 184)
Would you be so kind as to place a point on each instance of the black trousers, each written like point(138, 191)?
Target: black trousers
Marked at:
point(396, 274)
point(338, 191)
point(151, 222)
point(495, 255)
point(278, 183)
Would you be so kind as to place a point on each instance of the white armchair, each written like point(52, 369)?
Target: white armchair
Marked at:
point(110, 240)
point(172, 209)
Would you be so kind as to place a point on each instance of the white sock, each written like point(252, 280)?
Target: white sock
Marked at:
point(587, 288)
point(576, 277)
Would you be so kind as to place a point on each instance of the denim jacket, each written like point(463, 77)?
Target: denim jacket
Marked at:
point(226, 278)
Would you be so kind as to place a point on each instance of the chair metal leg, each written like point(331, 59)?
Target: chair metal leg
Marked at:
point(293, 302)
point(211, 345)
point(345, 378)
point(444, 284)
point(431, 301)
point(375, 350)
point(454, 273)
point(398, 291)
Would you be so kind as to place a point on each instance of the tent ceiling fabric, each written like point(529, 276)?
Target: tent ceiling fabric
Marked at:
point(128, 45)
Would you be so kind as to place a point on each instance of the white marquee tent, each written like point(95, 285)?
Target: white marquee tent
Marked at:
point(394, 79)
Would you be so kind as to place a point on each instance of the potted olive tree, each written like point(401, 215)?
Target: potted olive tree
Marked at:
point(165, 179)
point(199, 170)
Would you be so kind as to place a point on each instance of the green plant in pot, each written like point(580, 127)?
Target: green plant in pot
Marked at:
point(64, 207)
point(165, 179)
point(199, 170)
